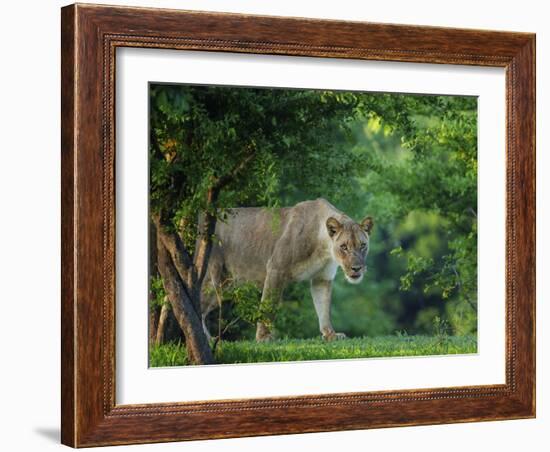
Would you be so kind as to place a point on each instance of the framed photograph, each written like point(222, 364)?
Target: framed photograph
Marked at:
point(281, 225)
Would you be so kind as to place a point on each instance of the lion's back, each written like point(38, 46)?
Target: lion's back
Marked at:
point(247, 238)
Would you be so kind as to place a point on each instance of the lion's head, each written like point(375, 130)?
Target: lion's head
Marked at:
point(350, 246)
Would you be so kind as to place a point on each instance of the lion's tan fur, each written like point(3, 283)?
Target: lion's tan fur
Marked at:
point(275, 247)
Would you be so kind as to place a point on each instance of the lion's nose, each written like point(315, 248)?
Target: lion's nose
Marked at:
point(356, 268)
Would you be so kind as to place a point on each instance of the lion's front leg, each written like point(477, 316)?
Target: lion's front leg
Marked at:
point(272, 291)
point(321, 292)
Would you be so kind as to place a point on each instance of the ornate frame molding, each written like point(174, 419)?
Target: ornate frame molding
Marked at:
point(90, 36)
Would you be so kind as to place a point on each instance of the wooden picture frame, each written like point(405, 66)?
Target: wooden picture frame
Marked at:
point(90, 36)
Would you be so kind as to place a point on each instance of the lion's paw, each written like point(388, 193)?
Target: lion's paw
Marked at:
point(264, 337)
point(333, 336)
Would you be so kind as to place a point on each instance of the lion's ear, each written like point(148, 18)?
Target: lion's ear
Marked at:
point(333, 226)
point(367, 224)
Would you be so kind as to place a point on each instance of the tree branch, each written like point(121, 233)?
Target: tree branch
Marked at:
point(208, 223)
point(188, 317)
point(181, 257)
point(222, 181)
point(204, 246)
point(459, 283)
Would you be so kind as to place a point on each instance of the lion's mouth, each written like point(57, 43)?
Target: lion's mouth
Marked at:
point(354, 277)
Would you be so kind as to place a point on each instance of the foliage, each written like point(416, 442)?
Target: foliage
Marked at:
point(247, 305)
point(410, 161)
point(157, 296)
point(200, 134)
point(249, 351)
point(432, 179)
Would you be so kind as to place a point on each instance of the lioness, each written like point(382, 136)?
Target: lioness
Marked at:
point(305, 242)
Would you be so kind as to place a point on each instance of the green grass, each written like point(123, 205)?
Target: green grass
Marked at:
point(316, 349)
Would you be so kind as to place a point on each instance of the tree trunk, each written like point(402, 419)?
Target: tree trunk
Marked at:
point(169, 332)
point(183, 307)
point(154, 311)
point(183, 273)
point(154, 315)
point(161, 325)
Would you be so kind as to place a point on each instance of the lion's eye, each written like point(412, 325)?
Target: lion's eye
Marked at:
point(363, 245)
point(344, 247)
